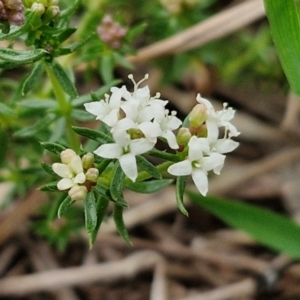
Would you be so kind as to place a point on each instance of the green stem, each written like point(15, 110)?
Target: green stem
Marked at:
point(65, 108)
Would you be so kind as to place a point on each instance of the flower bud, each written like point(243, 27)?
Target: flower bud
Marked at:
point(92, 174)
point(67, 155)
point(183, 136)
point(38, 8)
point(78, 192)
point(87, 160)
point(201, 131)
point(54, 10)
point(198, 115)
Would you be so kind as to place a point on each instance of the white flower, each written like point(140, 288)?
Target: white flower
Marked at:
point(167, 125)
point(214, 120)
point(107, 110)
point(71, 173)
point(198, 165)
point(125, 151)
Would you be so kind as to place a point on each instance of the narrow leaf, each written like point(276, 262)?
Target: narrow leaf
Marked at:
point(53, 147)
point(106, 194)
point(6, 111)
point(106, 68)
point(148, 187)
point(82, 115)
point(163, 155)
point(101, 207)
point(48, 168)
point(180, 189)
point(35, 128)
point(33, 78)
point(49, 187)
point(63, 78)
point(116, 185)
point(143, 163)
point(21, 56)
point(90, 212)
point(285, 29)
point(39, 104)
point(118, 218)
point(64, 206)
point(93, 134)
point(267, 227)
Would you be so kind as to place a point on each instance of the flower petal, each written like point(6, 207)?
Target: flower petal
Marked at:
point(171, 139)
point(181, 168)
point(128, 165)
point(62, 170)
point(65, 184)
point(76, 164)
point(225, 146)
point(140, 146)
point(213, 162)
point(109, 151)
point(80, 178)
point(200, 180)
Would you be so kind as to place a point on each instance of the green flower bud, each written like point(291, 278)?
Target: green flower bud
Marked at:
point(183, 136)
point(78, 192)
point(92, 175)
point(87, 160)
point(198, 115)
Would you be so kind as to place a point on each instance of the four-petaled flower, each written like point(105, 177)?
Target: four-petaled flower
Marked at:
point(198, 165)
point(125, 150)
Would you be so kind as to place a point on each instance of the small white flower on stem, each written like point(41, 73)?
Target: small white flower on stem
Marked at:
point(167, 125)
point(107, 110)
point(125, 150)
point(71, 173)
point(198, 165)
point(221, 118)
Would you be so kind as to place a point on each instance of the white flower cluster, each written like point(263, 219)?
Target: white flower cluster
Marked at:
point(136, 120)
point(207, 153)
point(76, 173)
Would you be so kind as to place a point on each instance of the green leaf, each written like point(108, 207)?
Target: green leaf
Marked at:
point(93, 134)
point(14, 32)
point(285, 29)
point(72, 48)
point(66, 83)
point(48, 168)
point(106, 193)
point(53, 147)
point(21, 56)
point(118, 218)
point(116, 185)
point(135, 32)
point(49, 187)
point(6, 111)
point(69, 11)
point(180, 189)
point(101, 207)
point(33, 78)
point(267, 227)
point(90, 212)
point(4, 145)
point(65, 34)
point(39, 104)
point(143, 163)
point(106, 67)
point(163, 155)
point(148, 187)
point(82, 115)
point(35, 128)
point(64, 206)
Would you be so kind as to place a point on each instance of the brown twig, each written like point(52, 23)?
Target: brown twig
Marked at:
point(215, 27)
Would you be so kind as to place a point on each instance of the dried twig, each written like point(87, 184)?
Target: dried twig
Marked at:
point(105, 272)
point(215, 27)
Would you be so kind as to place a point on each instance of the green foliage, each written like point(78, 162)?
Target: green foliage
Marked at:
point(267, 227)
point(285, 28)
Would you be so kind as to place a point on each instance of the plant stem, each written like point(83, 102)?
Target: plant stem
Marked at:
point(65, 108)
